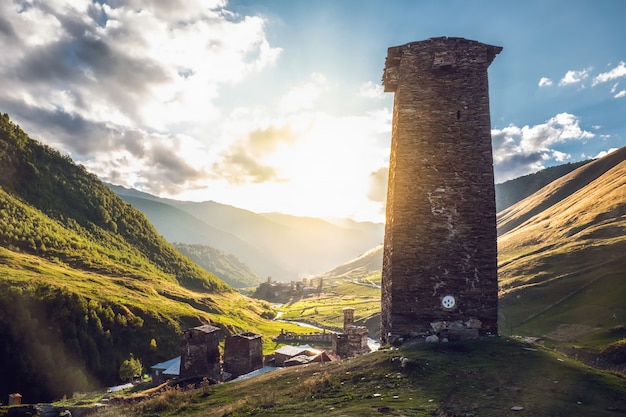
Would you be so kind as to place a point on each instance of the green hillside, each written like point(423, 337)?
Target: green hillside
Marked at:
point(54, 208)
point(178, 225)
point(85, 279)
point(280, 246)
point(227, 267)
point(490, 378)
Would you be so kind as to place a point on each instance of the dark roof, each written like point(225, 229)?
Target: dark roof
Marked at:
point(206, 328)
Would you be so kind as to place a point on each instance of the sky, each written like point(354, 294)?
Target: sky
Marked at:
point(277, 105)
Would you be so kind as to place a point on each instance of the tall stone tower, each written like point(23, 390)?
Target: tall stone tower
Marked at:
point(440, 250)
point(200, 353)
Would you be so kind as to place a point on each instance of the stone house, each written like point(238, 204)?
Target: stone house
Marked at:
point(243, 353)
point(353, 341)
point(200, 353)
point(287, 352)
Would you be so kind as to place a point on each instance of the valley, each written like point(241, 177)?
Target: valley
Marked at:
point(88, 276)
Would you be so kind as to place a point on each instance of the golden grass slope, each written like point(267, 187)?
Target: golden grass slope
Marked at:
point(561, 251)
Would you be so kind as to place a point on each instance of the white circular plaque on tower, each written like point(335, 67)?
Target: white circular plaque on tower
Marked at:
point(448, 301)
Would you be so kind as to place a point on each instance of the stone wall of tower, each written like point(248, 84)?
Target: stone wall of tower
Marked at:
point(440, 248)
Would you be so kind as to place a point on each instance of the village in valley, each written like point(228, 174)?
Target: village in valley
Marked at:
point(201, 358)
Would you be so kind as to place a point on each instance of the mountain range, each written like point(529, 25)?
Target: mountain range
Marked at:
point(274, 245)
point(561, 235)
point(281, 246)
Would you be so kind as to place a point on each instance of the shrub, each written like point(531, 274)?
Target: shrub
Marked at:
point(615, 352)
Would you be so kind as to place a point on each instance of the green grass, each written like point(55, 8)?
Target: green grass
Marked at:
point(482, 378)
point(145, 297)
point(326, 309)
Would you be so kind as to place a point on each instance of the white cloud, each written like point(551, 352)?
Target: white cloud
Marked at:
point(545, 82)
point(129, 88)
point(615, 73)
point(560, 156)
point(604, 153)
point(574, 77)
point(304, 96)
point(520, 151)
point(371, 90)
point(620, 94)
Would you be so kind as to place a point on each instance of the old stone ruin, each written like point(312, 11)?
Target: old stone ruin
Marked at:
point(200, 353)
point(243, 353)
point(353, 341)
point(439, 277)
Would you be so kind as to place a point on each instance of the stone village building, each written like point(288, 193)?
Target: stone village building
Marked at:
point(243, 353)
point(201, 356)
point(200, 353)
point(353, 341)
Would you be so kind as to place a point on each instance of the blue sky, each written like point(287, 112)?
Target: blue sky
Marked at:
point(277, 105)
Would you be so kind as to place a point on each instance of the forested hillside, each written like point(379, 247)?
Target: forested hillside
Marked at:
point(71, 215)
point(85, 279)
point(226, 266)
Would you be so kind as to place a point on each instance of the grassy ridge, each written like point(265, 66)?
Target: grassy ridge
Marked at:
point(226, 266)
point(482, 378)
point(561, 258)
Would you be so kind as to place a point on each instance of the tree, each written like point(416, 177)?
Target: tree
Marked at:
point(130, 368)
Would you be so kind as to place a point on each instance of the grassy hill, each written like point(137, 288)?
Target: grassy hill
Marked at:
point(179, 225)
point(85, 279)
point(561, 254)
point(360, 267)
point(487, 378)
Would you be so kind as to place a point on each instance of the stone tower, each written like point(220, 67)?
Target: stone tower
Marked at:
point(353, 341)
point(243, 353)
point(200, 353)
point(348, 318)
point(440, 249)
